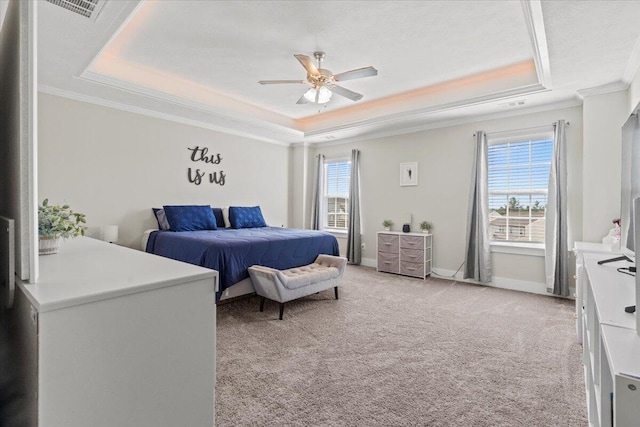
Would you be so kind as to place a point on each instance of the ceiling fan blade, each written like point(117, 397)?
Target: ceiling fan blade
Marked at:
point(307, 63)
point(355, 74)
point(302, 100)
point(277, 82)
point(354, 96)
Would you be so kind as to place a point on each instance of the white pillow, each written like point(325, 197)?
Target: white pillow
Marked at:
point(225, 216)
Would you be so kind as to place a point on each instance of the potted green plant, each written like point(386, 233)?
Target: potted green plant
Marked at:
point(56, 223)
point(387, 223)
point(426, 226)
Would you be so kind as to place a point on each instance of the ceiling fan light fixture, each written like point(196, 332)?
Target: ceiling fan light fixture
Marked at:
point(323, 94)
point(310, 95)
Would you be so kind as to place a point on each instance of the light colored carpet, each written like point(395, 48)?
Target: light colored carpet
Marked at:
point(396, 351)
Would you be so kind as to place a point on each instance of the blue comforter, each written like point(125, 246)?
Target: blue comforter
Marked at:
point(231, 251)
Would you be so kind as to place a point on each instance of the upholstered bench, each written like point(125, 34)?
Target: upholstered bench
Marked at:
point(287, 285)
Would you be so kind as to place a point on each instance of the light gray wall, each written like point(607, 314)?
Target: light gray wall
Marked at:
point(298, 185)
point(445, 157)
point(604, 116)
point(114, 166)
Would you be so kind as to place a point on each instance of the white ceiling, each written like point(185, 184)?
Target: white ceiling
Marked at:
point(438, 61)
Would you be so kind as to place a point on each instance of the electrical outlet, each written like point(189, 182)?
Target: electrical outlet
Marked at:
point(363, 247)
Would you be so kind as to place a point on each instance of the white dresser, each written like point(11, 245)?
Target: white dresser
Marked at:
point(611, 346)
point(110, 336)
point(579, 249)
point(405, 253)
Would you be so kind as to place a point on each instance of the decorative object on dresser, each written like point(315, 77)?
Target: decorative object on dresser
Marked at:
point(406, 222)
point(405, 253)
point(387, 223)
point(56, 223)
point(426, 227)
point(408, 174)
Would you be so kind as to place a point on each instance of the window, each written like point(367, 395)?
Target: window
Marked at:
point(518, 170)
point(337, 177)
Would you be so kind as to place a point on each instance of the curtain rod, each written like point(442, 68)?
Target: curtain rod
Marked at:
point(535, 127)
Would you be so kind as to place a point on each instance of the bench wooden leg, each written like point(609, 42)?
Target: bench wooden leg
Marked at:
point(261, 304)
point(336, 291)
point(281, 310)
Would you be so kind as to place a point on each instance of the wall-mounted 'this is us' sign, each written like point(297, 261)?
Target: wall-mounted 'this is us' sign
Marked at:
point(196, 176)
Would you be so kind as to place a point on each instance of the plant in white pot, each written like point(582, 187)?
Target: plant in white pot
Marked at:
point(387, 223)
point(426, 227)
point(56, 223)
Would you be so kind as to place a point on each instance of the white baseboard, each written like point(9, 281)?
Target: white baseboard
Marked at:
point(496, 282)
point(369, 262)
point(499, 282)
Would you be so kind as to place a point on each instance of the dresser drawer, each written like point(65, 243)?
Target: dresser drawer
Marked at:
point(412, 269)
point(412, 255)
point(388, 243)
point(388, 262)
point(412, 242)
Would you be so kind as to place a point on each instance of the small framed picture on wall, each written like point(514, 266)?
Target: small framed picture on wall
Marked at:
point(408, 174)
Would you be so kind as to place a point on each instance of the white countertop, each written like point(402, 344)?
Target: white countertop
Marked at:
point(623, 349)
point(88, 270)
point(596, 247)
point(401, 233)
point(612, 290)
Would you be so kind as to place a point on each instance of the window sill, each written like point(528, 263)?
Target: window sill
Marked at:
point(531, 249)
point(336, 232)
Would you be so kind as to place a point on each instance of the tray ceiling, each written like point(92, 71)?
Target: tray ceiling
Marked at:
point(201, 61)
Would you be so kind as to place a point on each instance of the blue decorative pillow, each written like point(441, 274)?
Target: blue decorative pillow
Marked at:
point(246, 217)
point(163, 224)
point(217, 212)
point(190, 218)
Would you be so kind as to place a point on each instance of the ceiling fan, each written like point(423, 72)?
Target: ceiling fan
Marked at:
point(323, 81)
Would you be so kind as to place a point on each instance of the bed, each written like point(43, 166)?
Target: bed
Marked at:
point(231, 251)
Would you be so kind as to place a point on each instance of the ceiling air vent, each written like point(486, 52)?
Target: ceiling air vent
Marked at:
point(86, 8)
point(519, 103)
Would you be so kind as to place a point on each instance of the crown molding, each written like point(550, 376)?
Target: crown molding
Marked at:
point(287, 127)
point(603, 89)
point(492, 97)
point(532, 10)
point(451, 123)
point(153, 113)
point(633, 65)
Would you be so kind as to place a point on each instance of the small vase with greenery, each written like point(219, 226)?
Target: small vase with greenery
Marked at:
point(426, 226)
point(56, 223)
point(387, 223)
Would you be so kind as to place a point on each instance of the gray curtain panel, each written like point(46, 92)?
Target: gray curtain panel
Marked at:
point(478, 250)
point(316, 209)
point(556, 230)
point(354, 238)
